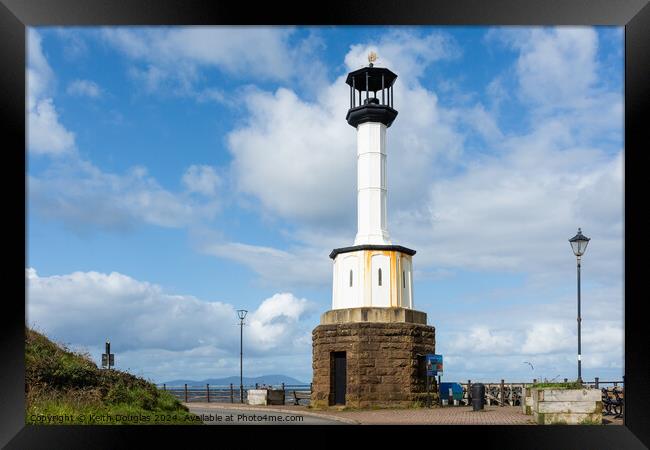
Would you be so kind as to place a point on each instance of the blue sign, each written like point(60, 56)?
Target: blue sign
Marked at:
point(456, 390)
point(434, 364)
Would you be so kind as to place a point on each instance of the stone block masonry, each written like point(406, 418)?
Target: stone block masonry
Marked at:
point(568, 406)
point(384, 363)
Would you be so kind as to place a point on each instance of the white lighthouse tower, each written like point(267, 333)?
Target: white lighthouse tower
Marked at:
point(369, 349)
point(372, 272)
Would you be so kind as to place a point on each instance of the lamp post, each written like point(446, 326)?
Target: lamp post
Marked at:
point(241, 313)
point(579, 245)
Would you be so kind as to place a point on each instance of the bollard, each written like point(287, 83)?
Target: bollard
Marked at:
point(503, 392)
point(185, 392)
point(207, 389)
point(596, 382)
point(232, 394)
point(478, 394)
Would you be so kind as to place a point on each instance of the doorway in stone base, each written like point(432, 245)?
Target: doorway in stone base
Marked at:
point(338, 378)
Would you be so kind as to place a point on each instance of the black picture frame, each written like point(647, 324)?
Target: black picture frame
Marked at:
point(634, 15)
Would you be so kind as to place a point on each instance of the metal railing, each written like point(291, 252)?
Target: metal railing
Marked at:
point(511, 392)
point(293, 394)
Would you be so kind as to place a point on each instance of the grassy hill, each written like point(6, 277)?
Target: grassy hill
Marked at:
point(65, 387)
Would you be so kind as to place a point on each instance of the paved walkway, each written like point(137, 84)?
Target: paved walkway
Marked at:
point(457, 415)
point(238, 414)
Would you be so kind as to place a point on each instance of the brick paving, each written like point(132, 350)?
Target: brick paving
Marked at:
point(457, 415)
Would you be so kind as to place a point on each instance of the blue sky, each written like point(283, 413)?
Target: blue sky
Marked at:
point(178, 174)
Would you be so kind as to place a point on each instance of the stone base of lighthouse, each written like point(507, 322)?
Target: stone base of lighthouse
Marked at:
point(371, 357)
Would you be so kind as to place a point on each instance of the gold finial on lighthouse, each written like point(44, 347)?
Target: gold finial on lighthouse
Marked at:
point(372, 57)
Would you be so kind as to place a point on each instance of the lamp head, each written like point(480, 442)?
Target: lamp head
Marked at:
point(241, 313)
point(579, 243)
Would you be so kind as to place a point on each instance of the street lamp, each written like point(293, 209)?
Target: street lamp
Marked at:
point(579, 245)
point(241, 313)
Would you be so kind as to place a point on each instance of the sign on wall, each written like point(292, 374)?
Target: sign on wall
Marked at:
point(434, 364)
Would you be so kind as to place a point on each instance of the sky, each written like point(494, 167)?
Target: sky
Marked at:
point(178, 174)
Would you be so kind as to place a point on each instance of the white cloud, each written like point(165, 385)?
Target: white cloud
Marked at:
point(556, 66)
point(81, 195)
point(482, 340)
point(258, 50)
point(285, 268)
point(558, 75)
point(84, 88)
point(483, 121)
point(45, 133)
point(39, 73)
point(202, 180)
point(173, 60)
point(85, 308)
point(295, 157)
point(513, 212)
point(269, 323)
point(497, 335)
point(551, 337)
point(214, 95)
point(74, 45)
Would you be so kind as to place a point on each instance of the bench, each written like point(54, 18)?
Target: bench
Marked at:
point(613, 401)
point(300, 395)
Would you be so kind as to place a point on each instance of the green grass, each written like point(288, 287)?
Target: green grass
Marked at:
point(568, 385)
point(65, 387)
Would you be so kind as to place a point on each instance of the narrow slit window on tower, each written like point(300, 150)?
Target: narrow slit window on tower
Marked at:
point(379, 277)
point(404, 279)
point(350, 278)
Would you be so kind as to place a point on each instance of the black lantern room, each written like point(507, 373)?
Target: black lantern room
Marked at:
point(371, 96)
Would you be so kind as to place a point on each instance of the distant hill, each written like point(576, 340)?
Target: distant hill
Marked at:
point(272, 380)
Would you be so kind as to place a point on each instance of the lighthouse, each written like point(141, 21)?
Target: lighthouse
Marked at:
point(369, 349)
point(372, 272)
